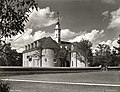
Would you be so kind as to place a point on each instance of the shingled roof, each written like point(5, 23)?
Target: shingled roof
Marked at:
point(45, 43)
point(41, 41)
point(49, 43)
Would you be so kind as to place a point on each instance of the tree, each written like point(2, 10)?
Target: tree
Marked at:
point(62, 55)
point(114, 58)
point(84, 46)
point(102, 55)
point(4, 87)
point(9, 57)
point(13, 15)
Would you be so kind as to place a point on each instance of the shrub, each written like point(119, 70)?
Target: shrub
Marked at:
point(4, 87)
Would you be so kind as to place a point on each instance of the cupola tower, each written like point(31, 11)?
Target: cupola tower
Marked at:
point(58, 30)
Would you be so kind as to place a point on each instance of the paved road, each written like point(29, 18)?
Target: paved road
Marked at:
point(71, 82)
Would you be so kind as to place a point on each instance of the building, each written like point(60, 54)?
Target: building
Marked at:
point(77, 59)
point(41, 53)
point(47, 52)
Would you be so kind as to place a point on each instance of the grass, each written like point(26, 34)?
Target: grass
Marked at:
point(109, 77)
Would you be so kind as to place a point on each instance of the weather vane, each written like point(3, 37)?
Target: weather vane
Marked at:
point(58, 16)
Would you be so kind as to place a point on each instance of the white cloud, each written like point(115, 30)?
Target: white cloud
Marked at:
point(67, 34)
point(109, 1)
point(41, 18)
point(93, 35)
point(40, 34)
point(114, 43)
point(21, 40)
point(115, 19)
point(37, 19)
point(106, 15)
point(110, 43)
point(27, 38)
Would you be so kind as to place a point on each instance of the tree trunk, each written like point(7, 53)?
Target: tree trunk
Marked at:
point(86, 62)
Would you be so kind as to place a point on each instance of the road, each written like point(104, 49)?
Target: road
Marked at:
point(69, 82)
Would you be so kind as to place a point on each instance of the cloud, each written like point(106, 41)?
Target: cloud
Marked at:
point(67, 34)
point(21, 40)
point(92, 36)
point(114, 43)
point(110, 43)
point(109, 1)
point(27, 38)
point(40, 34)
point(37, 19)
point(41, 18)
point(106, 15)
point(115, 19)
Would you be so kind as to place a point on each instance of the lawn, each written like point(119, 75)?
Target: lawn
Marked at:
point(110, 77)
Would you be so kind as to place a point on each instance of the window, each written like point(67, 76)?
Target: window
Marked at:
point(29, 46)
point(54, 61)
point(72, 54)
point(28, 56)
point(72, 47)
point(45, 60)
point(66, 47)
point(30, 59)
point(56, 35)
point(25, 47)
point(36, 44)
point(72, 63)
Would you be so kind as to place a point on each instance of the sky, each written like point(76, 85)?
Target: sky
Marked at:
point(94, 20)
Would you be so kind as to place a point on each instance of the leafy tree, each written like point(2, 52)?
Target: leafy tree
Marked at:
point(102, 55)
point(114, 59)
point(4, 87)
point(84, 46)
point(62, 55)
point(10, 57)
point(13, 15)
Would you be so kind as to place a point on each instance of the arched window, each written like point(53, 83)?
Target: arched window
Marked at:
point(31, 45)
point(25, 47)
point(28, 46)
point(72, 47)
point(72, 54)
point(45, 59)
point(35, 43)
point(30, 59)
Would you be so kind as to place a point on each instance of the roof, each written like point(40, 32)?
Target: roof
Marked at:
point(49, 43)
point(41, 41)
point(45, 43)
point(63, 42)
